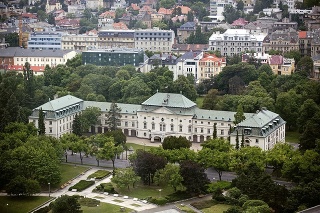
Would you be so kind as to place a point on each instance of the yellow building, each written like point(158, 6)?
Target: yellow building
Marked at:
point(281, 65)
point(210, 65)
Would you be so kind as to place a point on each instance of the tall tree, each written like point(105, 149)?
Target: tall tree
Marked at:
point(89, 117)
point(66, 203)
point(123, 178)
point(173, 142)
point(169, 175)
point(210, 100)
point(237, 141)
point(214, 136)
point(239, 116)
point(113, 116)
point(41, 125)
point(76, 126)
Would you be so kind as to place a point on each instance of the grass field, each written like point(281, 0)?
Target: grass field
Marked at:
point(292, 136)
point(104, 207)
point(219, 208)
point(137, 146)
point(142, 191)
point(20, 204)
point(199, 101)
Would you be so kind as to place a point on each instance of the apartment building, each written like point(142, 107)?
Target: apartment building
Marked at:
point(281, 65)
point(154, 40)
point(79, 42)
point(116, 38)
point(305, 39)
point(185, 30)
point(315, 42)
point(236, 41)
point(163, 115)
point(113, 57)
point(316, 67)
point(210, 65)
point(45, 41)
point(282, 40)
point(188, 64)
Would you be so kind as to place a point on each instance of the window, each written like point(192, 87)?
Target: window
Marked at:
point(153, 126)
point(257, 140)
point(171, 127)
point(189, 129)
point(195, 129)
point(180, 128)
point(50, 129)
point(247, 131)
point(126, 123)
point(132, 124)
point(162, 127)
point(222, 132)
point(144, 125)
point(50, 122)
point(201, 130)
point(209, 131)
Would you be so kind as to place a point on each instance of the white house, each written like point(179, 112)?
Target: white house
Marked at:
point(163, 115)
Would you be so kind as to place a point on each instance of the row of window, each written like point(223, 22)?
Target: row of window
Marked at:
point(39, 59)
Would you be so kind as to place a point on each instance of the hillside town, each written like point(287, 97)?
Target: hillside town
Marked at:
point(160, 106)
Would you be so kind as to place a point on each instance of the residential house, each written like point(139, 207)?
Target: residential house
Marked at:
point(239, 23)
point(315, 42)
point(71, 26)
point(282, 40)
point(145, 18)
point(181, 49)
point(188, 65)
point(79, 42)
point(312, 20)
point(106, 19)
point(210, 65)
point(52, 5)
point(305, 39)
point(119, 26)
point(236, 41)
point(316, 67)
point(165, 12)
point(184, 9)
point(273, 12)
point(37, 70)
point(263, 129)
point(185, 30)
point(94, 4)
point(281, 65)
point(76, 9)
point(285, 24)
point(163, 115)
point(156, 17)
point(7, 57)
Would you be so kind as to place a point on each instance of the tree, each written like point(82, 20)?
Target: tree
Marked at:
point(311, 133)
point(194, 177)
point(12, 39)
point(41, 125)
point(214, 135)
point(240, 5)
point(237, 141)
point(277, 156)
point(113, 116)
point(119, 137)
point(306, 112)
point(66, 204)
point(167, 3)
point(215, 153)
point(89, 117)
point(173, 142)
point(146, 164)
point(230, 13)
point(305, 66)
point(76, 126)
point(190, 16)
point(245, 157)
point(239, 116)
point(123, 178)
point(169, 175)
point(21, 186)
point(210, 100)
point(109, 151)
point(242, 139)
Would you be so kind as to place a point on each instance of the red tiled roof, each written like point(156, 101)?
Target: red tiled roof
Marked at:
point(135, 6)
point(119, 26)
point(302, 34)
point(110, 14)
point(164, 11)
point(239, 22)
point(212, 57)
point(276, 59)
point(184, 9)
point(20, 68)
point(28, 15)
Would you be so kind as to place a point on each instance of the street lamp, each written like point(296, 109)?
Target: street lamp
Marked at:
point(144, 146)
point(160, 192)
point(7, 207)
point(49, 189)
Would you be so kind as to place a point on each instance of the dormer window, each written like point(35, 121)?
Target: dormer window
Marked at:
point(247, 131)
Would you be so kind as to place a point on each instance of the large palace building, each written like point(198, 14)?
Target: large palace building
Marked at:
point(166, 114)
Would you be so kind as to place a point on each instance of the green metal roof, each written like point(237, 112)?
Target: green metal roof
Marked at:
point(59, 103)
point(105, 106)
point(169, 100)
point(259, 119)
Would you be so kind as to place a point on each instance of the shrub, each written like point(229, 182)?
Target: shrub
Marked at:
point(204, 204)
point(178, 195)
point(106, 187)
point(234, 209)
point(253, 203)
point(100, 174)
point(159, 201)
point(220, 198)
point(45, 209)
point(242, 199)
point(81, 185)
point(219, 185)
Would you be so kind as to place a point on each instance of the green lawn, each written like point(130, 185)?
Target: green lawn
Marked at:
point(199, 101)
point(219, 208)
point(142, 191)
point(99, 174)
point(186, 209)
point(137, 146)
point(67, 173)
point(17, 204)
point(104, 207)
point(292, 136)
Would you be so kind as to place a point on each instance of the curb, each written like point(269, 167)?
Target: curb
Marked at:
point(43, 204)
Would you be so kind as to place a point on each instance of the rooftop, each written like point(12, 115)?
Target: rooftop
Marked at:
point(169, 100)
point(260, 119)
point(59, 103)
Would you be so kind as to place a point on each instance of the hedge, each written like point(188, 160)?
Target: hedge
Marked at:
point(100, 174)
point(81, 185)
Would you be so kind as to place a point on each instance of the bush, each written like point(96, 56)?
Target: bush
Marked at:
point(178, 195)
point(81, 185)
point(242, 199)
point(159, 201)
point(106, 187)
point(253, 203)
point(100, 174)
point(234, 209)
point(220, 198)
point(203, 204)
point(45, 209)
point(219, 185)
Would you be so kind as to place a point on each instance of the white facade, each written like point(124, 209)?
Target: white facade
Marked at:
point(94, 4)
point(154, 40)
point(188, 64)
point(235, 41)
point(45, 41)
point(51, 58)
point(162, 115)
